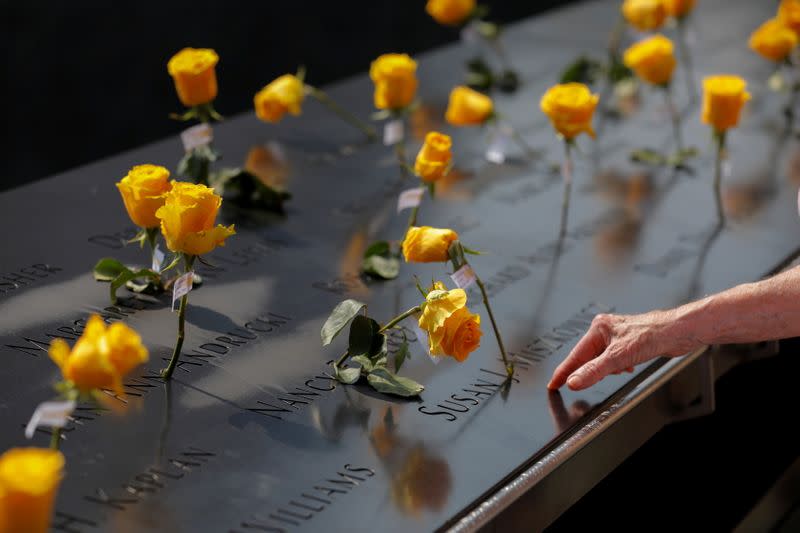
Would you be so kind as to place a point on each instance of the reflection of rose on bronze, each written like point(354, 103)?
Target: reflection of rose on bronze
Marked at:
point(743, 201)
point(268, 165)
point(448, 187)
point(420, 479)
point(615, 241)
point(630, 190)
point(424, 119)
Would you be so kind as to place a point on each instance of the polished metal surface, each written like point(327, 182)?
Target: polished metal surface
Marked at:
point(252, 435)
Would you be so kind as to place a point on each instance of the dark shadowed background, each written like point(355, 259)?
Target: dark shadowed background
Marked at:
point(84, 80)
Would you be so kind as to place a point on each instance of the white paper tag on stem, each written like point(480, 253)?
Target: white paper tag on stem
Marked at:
point(196, 136)
point(498, 148)
point(50, 414)
point(727, 168)
point(464, 277)
point(410, 198)
point(181, 287)
point(158, 259)
point(422, 339)
point(566, 170)
point(393, 132)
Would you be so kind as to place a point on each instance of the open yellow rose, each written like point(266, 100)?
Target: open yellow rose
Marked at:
point(143, 191)
point(723, 98)
point(468, 107)
point(570, 107)
point(644, 15)
point(281, 96)
point(101, 357)
point(187, 219)
point(789, 14)
point(29, 480)
point(452, 329)
point(773, 40)
point(652, 60)
point(425, 244)
point(679, 8)
point(192, 70)
point(395, 78)
point(450, 12)
point(434, 158)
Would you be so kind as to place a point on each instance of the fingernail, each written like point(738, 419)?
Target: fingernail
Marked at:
point(574, 381)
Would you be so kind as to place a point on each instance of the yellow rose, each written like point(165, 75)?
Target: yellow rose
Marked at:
point(452, 329)
point(652, 60)
point(101, 357)
point(187, 219)
point(143, 191)
point(468, 107)
point(644, 15)
point(192, 69)
point(29, 479)
point(395, 78)
point(789, 14)
point(425, 244)
point(773, 40)
point(723, 98)
point(433, 159)
point(283, 95)
point(679, 8)
point(450, 12)
point(570, 107)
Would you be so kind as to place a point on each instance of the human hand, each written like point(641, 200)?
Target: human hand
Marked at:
point(617, 343)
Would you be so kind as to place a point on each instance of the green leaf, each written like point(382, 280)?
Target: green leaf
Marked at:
point(250, 191)
point(347, 376)
point(338, 319)
point(648, 156)
point(379, 345)
point(362, 331)
point(582, 70)
point(173, 263)
point(382, 380)
point(107, 269)
point(401, 356)
point(381, 267)
point(126, 276)
point(378, 248)
point(364, 361)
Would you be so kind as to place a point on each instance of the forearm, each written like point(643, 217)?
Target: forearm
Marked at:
point(753, 312)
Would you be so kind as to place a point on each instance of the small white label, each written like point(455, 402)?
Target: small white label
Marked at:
point(158, 259)
point(464, 277)
point(393, 132)
point(49, 414)
point(566, 170)
point(498, 149)
point(182, 286)
point(410, 198)
point(727, 168)
point(196, 136)
point(422, 339)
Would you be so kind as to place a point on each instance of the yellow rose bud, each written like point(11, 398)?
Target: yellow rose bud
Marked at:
point(468, 107)
point(652, 60)
point(395, 78)
point(143, 191)
point(450, 12)
point(679, 8)
point(29, 480)
point(433, 159)
point(644, 15)
point(723, 98)
point(452, 329)
point(789, 14)
point(283, 95)
point(101, 357)
point(192, 69)
point(570, 107)
point(427, 245)
point(187, 219)
point(773, 40)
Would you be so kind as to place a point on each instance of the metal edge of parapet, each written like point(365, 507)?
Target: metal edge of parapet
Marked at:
point(509, 493)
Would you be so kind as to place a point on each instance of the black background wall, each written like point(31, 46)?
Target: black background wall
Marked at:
point(83, 80)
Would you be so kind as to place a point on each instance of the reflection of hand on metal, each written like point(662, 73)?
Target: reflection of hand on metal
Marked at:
point(563, 418)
